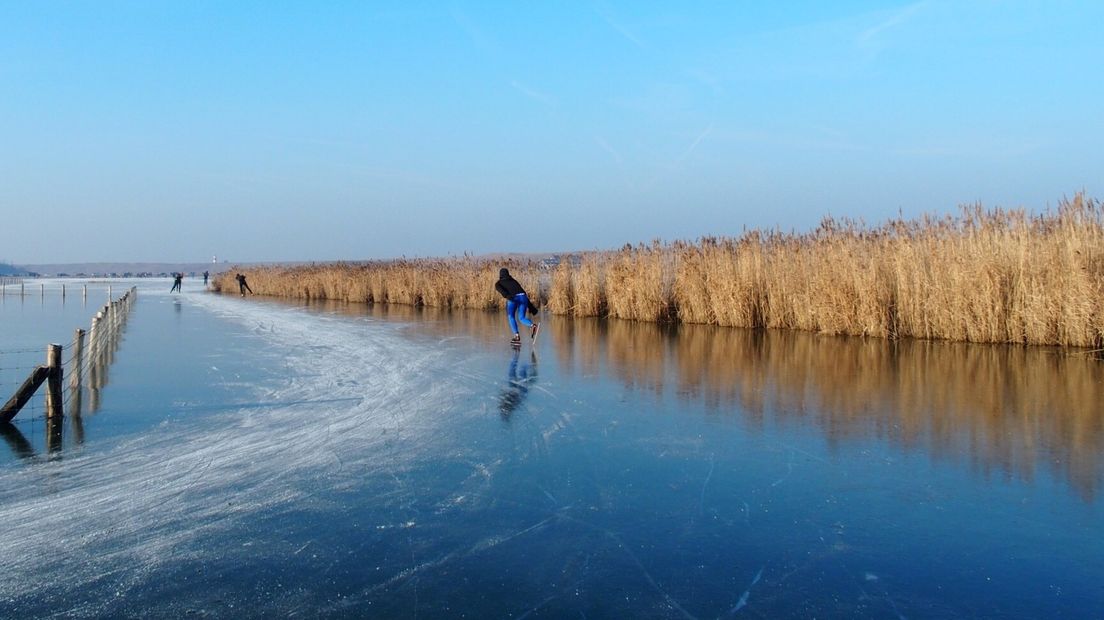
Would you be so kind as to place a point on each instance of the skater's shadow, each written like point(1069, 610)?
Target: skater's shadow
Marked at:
point(519, 378)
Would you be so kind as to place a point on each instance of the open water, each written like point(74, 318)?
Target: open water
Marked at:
point(253, 458)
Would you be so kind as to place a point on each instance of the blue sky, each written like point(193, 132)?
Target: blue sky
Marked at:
point(266, 131)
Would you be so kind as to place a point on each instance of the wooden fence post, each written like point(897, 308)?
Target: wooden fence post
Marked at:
point(78, 353)
point(23, 394)
point(53, 381)
point(53, 434)
point(76, 374)
point(95, 337)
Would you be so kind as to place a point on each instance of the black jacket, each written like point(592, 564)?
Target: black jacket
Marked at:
point(508, 287)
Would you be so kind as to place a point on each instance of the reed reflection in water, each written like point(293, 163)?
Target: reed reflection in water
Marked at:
point(1004, 410)
point(1001, 410)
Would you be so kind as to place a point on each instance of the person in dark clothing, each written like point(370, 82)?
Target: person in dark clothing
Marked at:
point(242, 285)
point(177, 279)
point(206, 274)
point(517, 304)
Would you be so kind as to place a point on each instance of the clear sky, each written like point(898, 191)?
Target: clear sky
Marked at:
point(258, 131)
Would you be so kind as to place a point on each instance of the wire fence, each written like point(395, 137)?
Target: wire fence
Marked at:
point(78, 370)
point(12, 287)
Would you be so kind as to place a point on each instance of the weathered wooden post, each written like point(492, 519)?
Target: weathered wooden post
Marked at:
point(94, 338)
point(117, 319)
point(53, 434)
point(23, 394)
point(85, 291)
point(78, 353)
point(76, 373)
point(75, 401)
point(53, 381)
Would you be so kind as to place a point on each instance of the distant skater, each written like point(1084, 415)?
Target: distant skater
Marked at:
point(177, 279)
point(517, 304)
point(205, 276)
point(242, 285)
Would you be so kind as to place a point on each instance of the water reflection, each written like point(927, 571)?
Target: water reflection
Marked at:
point(16, 441)
point(519, 378)
point(90, 354)
point(1001, 411)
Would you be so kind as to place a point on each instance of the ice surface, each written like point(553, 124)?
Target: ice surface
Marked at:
point(116, 516)
point(257, 459)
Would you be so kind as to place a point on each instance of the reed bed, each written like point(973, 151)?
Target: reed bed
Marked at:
point(437, 283)
point(999, 276)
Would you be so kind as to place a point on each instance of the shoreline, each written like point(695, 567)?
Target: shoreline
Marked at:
point(986, 276)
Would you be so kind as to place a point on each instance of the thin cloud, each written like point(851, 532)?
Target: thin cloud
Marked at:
point(621, 29)
point(869, 36)
point(618, 161)
point(667, 170)
point(534, 94)
point(609, 149)
point(830, 132)
point(707, 78)
point(828, 140)
point(472, 29)
point(694, 145)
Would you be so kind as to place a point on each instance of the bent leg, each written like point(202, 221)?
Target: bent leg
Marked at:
point(511, 309)
point(523, 307)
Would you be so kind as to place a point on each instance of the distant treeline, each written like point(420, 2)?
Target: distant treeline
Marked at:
point(998, 276)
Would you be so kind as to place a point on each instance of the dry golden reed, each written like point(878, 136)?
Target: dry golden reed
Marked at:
point(437, 283)
point(982, 276)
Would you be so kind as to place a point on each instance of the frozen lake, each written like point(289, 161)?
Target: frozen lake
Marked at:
point(253, 458)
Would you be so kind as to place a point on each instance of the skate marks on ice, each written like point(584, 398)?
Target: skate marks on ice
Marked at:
point(114, 517)
point(740, 604)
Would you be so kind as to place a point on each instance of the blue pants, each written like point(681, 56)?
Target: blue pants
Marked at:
point(515, 311)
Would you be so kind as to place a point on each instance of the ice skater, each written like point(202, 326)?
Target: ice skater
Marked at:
point(243, 286)
point(177, 279)
point(517, 304)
